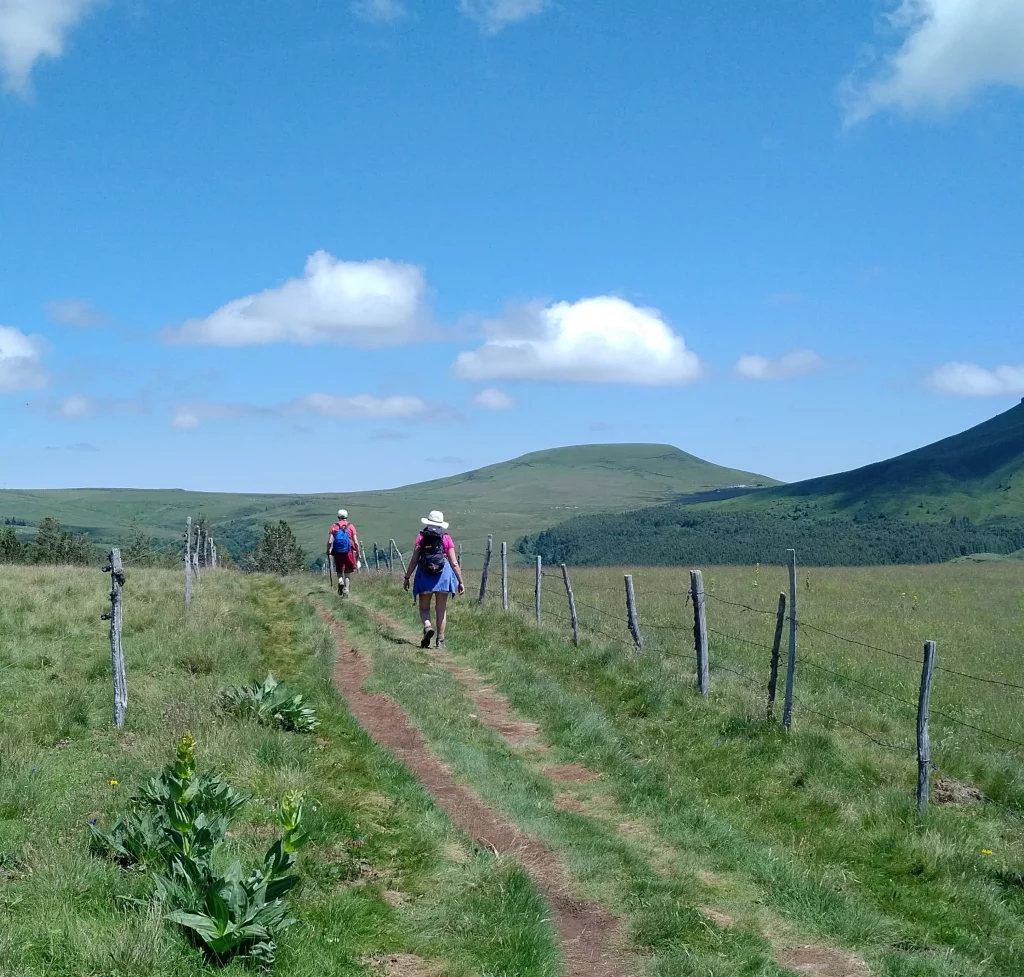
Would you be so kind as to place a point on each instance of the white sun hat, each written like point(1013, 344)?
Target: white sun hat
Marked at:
point(343, 513)
point(436, 518)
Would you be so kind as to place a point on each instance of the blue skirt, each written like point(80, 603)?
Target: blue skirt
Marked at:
point(444, 582)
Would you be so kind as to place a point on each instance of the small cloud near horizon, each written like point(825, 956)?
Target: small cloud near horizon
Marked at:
point(78, 313)
point(801, 363)
point(600, 427)
point(972, 380)
point(491, 398)
point(386, 434)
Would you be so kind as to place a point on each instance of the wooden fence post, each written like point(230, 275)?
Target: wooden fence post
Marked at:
point(773, 675)
point(787, 711)
point(116, 571)
point(376, 558)
point(700, 631)
point(195, 552)
point(487, 569)
point(188, 562)
point(536, 588)
point(401, 559)
point(458, 555)
point(504, 576)
point(924, 746)
point(631, 618)
point(572, 606)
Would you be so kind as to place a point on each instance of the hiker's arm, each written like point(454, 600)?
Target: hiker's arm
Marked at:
point(413, 561)
point(454, 561)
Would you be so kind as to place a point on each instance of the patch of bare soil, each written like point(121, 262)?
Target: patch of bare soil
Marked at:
point(571, 773)
point(950, 791)
point(719, 919)
point(588, 933)
point(816, 961)
point(400, 965)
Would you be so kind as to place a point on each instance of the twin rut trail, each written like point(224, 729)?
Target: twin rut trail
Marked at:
point(589, 935)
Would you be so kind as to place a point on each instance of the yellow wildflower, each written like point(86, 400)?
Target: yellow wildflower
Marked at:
point(113, 783)
point(986, 851)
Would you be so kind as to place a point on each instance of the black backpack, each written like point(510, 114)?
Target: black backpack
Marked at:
point(432, 557)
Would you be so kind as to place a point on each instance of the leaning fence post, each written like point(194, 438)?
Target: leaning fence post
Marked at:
point(787, 711)
point(504, 576)
point(536, 588)
point(924, 746)
point(401, 559)
point(572, 606)
point(631, 618)
point(487, 569)
point(116, 571)
point(700, 630)
point(773, 675)
point(188, 562)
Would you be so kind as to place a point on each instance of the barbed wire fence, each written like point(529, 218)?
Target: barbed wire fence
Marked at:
point(798, 665)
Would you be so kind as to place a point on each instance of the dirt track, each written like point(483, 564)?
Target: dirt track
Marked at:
point(589, 935)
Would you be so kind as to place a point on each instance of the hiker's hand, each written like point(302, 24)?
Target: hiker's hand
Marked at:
point(405, 584)
point(462, 588)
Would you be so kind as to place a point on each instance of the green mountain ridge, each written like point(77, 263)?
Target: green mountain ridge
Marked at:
point(507, 499)
point(960, 497)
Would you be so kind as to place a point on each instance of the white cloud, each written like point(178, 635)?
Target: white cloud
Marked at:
point(800, 363)
point(379, 11)
point(360, 405)
point(34, 29)
point(971, 380)
point(354, 303)
point(494, 16)
point(492, 398)
point(76, 405)
point(74, 312)
point(595, 340)
point(21, 362)
point(950, 49)
point(187, 417)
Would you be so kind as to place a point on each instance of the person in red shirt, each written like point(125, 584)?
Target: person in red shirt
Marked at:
point(343, 547)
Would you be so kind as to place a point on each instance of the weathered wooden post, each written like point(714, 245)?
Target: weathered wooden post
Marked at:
point(924, 746)
point(773, 675)
point(572, 606)
point(487, 569)
point(631, 618)
point(536, 588)
point(188, 562)
point(700, 631)
point(116, 571)
point(458, 555)
point(195, 552)
point(401, 559)
point(787, 711)
point(376, 558)
point(504, 576)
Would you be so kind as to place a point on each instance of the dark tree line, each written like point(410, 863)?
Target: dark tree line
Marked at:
point(52, 544)
point(678, 535)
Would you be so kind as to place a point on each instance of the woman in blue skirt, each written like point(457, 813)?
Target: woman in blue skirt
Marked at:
point(437, 573)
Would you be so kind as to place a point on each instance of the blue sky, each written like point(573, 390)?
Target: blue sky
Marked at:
point(331, 246)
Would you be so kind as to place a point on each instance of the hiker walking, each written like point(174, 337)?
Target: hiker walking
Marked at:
point(437, 573)
point(343, 546)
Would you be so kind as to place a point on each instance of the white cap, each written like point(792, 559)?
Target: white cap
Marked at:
point(343, 513)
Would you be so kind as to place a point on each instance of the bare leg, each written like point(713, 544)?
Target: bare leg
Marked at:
point(425, 610)
point(442, 615)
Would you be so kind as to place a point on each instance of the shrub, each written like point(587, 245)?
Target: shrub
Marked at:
point(271, 703)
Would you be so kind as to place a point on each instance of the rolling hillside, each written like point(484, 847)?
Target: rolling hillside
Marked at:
point(963, 495)
point(507, 499)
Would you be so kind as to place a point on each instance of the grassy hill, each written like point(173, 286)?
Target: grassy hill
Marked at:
point(961, 496)
point(507, 499)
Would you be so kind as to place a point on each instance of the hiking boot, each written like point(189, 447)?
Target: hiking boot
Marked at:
point(440, 644)
point(345, 592)
point(428, 633)
point(341, 589)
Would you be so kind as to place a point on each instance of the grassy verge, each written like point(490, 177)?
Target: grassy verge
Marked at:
point(810, 837)
point(384, 872)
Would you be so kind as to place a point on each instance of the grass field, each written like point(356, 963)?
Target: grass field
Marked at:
point(507, 499)
point(384, 871)
point(811, 838)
